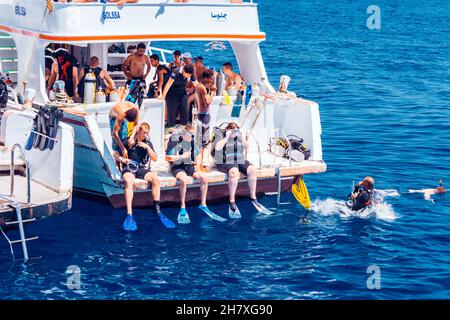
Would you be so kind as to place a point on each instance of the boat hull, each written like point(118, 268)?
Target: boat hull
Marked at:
point(35, 211)
point(217, 193)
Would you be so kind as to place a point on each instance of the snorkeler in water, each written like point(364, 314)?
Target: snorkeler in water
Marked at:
point(427, 193)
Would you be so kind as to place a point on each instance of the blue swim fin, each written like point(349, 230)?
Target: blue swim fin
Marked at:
point(183, 217)
point(166, 221)
point(211, 214)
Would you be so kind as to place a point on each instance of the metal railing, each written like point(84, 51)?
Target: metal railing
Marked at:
point(161, 51)
point(27, 168)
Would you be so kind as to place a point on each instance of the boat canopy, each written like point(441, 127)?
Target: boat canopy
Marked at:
point(146, 20)
point(32, 26)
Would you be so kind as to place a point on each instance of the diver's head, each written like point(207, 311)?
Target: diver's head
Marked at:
point(208, 77)
point(440, 190)
point(140, 49)
point(188, 70)
point(143, 131)
point(187, 58)
point(234, 128)
point(198, 62)
point(131, 115)
point(368, 182)
point(228, 69)
point(154, 60)
point(93, 62)
point(177, 56)
point(187, 133)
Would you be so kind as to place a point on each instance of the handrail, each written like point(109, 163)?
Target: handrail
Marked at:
point(27, 167)
point(283, 134)
point(162, 51)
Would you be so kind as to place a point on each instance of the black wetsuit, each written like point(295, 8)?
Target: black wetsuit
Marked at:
point(140, 156)
point(177, 98)
point(364, 198)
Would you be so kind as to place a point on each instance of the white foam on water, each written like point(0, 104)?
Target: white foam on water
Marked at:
point(380, 209)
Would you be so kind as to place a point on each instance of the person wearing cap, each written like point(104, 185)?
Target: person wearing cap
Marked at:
point(187, 58)
point(176, 96)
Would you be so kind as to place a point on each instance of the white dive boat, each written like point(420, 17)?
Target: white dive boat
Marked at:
point(91, 28)
point(35, 182)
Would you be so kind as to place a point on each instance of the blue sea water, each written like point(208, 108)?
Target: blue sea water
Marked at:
point(384, 97)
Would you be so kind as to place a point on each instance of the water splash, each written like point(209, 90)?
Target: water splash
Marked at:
point(380, 209)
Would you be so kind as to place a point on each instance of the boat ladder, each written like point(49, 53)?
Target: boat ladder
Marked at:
point(280, 132)
point(20, 222)
point(9, 201)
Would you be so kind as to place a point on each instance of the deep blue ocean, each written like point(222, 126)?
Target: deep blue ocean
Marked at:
point(384, 97)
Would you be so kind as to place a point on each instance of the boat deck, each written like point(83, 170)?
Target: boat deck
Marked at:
point(39, 193)
point(268, 169)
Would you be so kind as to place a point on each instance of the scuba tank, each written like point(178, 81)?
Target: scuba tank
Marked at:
point(220, 83)
point(89, 88)
point(114, 96)
point(100, 97)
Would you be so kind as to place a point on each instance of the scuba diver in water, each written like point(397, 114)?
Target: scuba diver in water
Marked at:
point(362, 195)
point(427, 193)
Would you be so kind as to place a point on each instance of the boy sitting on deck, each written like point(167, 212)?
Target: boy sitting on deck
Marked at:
point(136, 165)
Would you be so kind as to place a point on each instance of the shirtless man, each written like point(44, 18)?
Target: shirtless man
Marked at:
point(427, 193)
point(199, 67)
point(205, 93)
point(120, 116)
point(134, 65)
point(233, 78)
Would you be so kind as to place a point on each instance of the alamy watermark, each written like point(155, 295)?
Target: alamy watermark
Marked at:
point(73, 281)
point(374, 20)
point(374, 279)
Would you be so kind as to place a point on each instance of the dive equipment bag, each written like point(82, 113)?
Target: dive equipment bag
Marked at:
point(280, 147)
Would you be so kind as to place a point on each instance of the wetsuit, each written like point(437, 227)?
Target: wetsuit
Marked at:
point(364, 198)
point(177, 147)
point(154, 85)
point(140, 156)
point(177, 98)
point(66, 63)
point(232, 156)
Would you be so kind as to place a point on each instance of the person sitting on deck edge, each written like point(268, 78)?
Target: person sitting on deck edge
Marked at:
point(183, 156)
point(137, 165)
point(228, 153)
